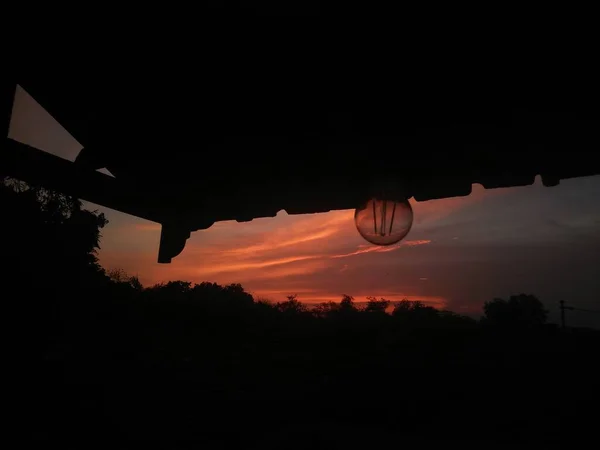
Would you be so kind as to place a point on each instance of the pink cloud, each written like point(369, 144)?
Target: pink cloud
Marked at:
point(375, 249)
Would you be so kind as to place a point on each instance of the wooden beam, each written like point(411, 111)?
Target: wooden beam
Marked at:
point(36, 167)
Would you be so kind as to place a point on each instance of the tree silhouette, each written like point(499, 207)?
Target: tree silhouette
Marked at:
point(522, 311)
point(375, 305)
point(49, 232)
point(347, 303)
point(414, 313)
point(292, 306)
point(326, 309)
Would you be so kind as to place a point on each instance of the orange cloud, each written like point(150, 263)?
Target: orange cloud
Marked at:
point(281, 273)
point(272, 243)
point(251, 265)
point(415, 243)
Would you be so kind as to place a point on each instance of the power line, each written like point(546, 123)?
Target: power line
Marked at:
point(572, 308)
point(585, 310)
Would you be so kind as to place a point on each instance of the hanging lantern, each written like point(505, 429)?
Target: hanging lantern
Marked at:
point(384, 221)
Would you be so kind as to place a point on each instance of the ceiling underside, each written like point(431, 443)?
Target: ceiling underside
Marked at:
point(236, 138)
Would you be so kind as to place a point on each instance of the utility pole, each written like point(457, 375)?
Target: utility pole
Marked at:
point(572, 308)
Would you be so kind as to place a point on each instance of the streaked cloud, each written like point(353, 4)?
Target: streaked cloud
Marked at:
point(250, 265)
point(377, 249)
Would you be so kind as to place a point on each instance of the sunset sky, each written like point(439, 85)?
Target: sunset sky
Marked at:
point(459, 253)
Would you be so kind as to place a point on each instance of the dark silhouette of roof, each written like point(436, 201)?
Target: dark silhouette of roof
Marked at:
point(242, 132)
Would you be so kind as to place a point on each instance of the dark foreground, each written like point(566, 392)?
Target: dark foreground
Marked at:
point(255, 376)
point(98, 360)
